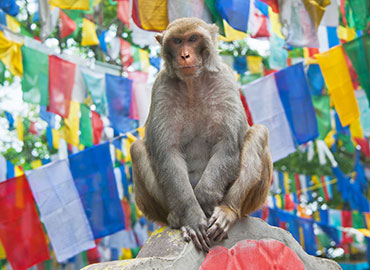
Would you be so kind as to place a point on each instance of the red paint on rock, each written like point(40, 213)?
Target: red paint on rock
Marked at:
point(251, 254)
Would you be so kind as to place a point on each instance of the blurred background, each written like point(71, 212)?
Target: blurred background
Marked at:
point(76, 78)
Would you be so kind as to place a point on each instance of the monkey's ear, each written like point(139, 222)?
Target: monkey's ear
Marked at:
point(159, 38)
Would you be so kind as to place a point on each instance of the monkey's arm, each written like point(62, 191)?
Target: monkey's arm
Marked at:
point(221, 170)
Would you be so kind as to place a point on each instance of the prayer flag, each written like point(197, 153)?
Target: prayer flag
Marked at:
point(97, 126)
point(89, 37)
point(331, 15)
point(296, 99)
point(13, 24)
point(338, 80)
point(92, 171)
point(124, 12)
point(335, 218)
point(61, 209)
point(216, 17)
point(119, 99)
point(278, 53)
point(297, 27)
point(328, 37)
point(20, 128)
point(71, 4)
point(151, 15)
point(35, 77)
point(72, 124)
point(141, 90)
point(358, 51)
point(79, 92)
point(360, 13)
point(61, 81)
point(67, 25)
point(274, 5)
point(255, 65)
point(182, 9)
point(11, 55)
point(126, 56)
point(316, 9)
point(21, 231)
point(363, 104)
point(231, 34)
point(96, 87)
point(2, 169)
point(236, 13)
point(86, 136)
point(272, 116)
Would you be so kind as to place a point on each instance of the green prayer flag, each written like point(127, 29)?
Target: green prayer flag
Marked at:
point(133, 213)
point(96, 87)
point(216, 17)
point(293, 188)
point(2, 73)
point(35, 77)
point(358, 50)
point(360, 13)
point(322, 110)
point(135, 251)
point(86, 136)
point(358, 220)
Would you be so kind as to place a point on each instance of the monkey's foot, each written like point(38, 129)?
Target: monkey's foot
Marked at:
point(220, 222)
point(199, 237)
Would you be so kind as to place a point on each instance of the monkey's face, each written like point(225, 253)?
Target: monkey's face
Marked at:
point(184, 51)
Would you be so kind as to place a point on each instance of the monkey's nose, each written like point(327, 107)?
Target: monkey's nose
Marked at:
point(185, 55)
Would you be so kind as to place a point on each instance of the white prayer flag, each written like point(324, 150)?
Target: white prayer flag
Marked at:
point(61, 210)
point(266, 109)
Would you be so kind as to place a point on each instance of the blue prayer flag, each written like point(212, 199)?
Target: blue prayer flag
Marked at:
point(240, 64)
point(315, 79)
point(92, 171)
point(296, 99)
point(47, 116)
point(10, 7)
point(103, 44)
point(119, 91)
point(261, 6)
point(10, 119)
point(10, 173)
point(235, 12)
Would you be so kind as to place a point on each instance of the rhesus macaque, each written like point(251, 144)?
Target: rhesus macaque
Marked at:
point(200, 165)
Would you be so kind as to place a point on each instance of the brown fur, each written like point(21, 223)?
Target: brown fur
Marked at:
point(200, 166)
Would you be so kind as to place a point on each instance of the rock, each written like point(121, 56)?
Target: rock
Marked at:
point(166, 249)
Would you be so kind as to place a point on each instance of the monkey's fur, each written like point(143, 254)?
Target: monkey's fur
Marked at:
point(200, 165)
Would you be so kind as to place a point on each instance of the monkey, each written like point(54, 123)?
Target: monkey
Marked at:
point(200, 166)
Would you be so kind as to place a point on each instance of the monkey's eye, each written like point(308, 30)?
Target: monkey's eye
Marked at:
point(193, 38)
point(177, 40)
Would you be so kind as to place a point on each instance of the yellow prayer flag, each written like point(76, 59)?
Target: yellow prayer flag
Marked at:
point(18, 171)
point(330, 139)
point(279, 202)
point(153, 14)
point(119, 155)
point(126, 254)
point(141, 131)
point(2, 252)
point(36, 164)
point(144, 59)
point(13, 24)
point(336, 75)
point(131, 138)
point(89, 36)
point(275, 23)
point(71, 4)
point(72, 124)
point(231, 34)
point(365, 232)
point(255, 65)
point(301, 237)
point(346, 33)
point(20, 128)
point(356, 130)
point(286, 182)
point(10, 54)
point(56, 137)
point(316, 9)
point(316, 180)
point(127, 150)
point(307, 59)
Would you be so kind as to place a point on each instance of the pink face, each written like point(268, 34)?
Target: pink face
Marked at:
point(186, 52)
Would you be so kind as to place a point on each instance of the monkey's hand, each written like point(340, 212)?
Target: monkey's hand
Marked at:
point(207, 198)
point(195, 228)
point(220, 222)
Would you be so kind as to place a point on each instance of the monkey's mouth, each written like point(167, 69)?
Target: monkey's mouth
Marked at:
point(189, 67)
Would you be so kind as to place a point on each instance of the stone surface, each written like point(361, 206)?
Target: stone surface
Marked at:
point(165, 249)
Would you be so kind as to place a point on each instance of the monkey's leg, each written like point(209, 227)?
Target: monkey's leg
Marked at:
point(148, 196)
point(251, 188)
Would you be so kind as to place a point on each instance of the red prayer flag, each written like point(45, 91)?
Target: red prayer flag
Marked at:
point(67, 25)
point(32, 128)
point(124, 12)
point(246, 108)
point(364, 144)
point(21, 232)
point(61, 81)
point(273, 4)
point(97, 125)
point(346, 222)
point(297, 185)
point(263, 29)
point(126, 56)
